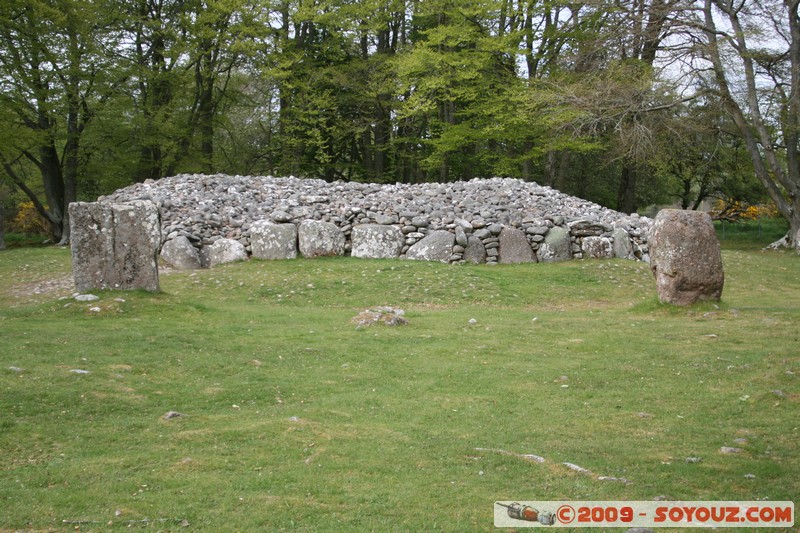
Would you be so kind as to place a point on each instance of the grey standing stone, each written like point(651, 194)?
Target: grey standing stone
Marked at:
point(557, 246)
point(461, 236)
point(514, 247)
point(685, 257)
point(475, 252)
point(376, 241)
point(318, 239)
point(597, 248)
point(115, 246)
point(623, 248)
point(436, 246)
point(179, 253)
point(226, 251)
point(273, 241)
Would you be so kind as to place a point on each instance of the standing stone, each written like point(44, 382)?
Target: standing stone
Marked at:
point(115, 246)
point(226, 251)
point(557, 246)
point(597, 248)
point(622, 244)
point(273, 241)
point(376, 241)
point(514, 247)
point(685, 257)
point(317, 239)
point(436, 246)
point(179, 253)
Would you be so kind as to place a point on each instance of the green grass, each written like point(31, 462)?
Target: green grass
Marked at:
point(297, 420)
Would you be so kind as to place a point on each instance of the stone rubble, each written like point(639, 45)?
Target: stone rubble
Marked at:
point(206, 208)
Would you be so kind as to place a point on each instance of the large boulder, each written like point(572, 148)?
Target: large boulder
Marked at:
point(514, 247)
point(226, 251)
point(436, 246)
point(115, 246)
point(376, 241)
point(273, 241)
point(317, 239)
point(557, 246)
point(685, 257)
point(179, 253)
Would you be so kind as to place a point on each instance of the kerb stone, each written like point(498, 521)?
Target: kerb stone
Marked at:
point(226, 251)
point(318, 239)
point(179, 253)
point(273, 241)
point(436, 246)
point(514, 247)
point(376, 241)
point(556, 247)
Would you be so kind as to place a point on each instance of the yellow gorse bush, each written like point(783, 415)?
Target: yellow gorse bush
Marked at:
point(29, 221)
point(736, 211)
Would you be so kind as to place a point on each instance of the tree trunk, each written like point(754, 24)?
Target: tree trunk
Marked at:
point(2, 229)
point(626, 194)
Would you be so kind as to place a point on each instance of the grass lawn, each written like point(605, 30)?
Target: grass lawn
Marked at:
point(294, 419)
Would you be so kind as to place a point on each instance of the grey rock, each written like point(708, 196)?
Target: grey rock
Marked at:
point(385, 220)
point(436, 246)
point(179, 253)
point(597, 247)
point(377, 241)
point(273, 241)
point(461, 236)
point(587, 228)
point(226, 251)
point(730, 450)
point(475, 252)
point(557, 246)
point(514, 247)
point(623, 248)
point(280, 217)
point(318, 239)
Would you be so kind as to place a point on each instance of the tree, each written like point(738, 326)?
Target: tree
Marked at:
point(52, 70)
point(753, 49)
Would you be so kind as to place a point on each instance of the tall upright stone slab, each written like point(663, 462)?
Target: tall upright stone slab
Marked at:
point(115, 246)
point(685, 257)
point(514, 247)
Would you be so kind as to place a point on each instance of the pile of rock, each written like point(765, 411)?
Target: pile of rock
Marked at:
point(208, 219)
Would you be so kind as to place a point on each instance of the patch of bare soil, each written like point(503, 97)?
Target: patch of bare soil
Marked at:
point(43, 290)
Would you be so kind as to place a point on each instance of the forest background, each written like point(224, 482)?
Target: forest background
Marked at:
point(624, 102)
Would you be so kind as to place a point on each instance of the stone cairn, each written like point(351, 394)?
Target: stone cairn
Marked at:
point(211, 219)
